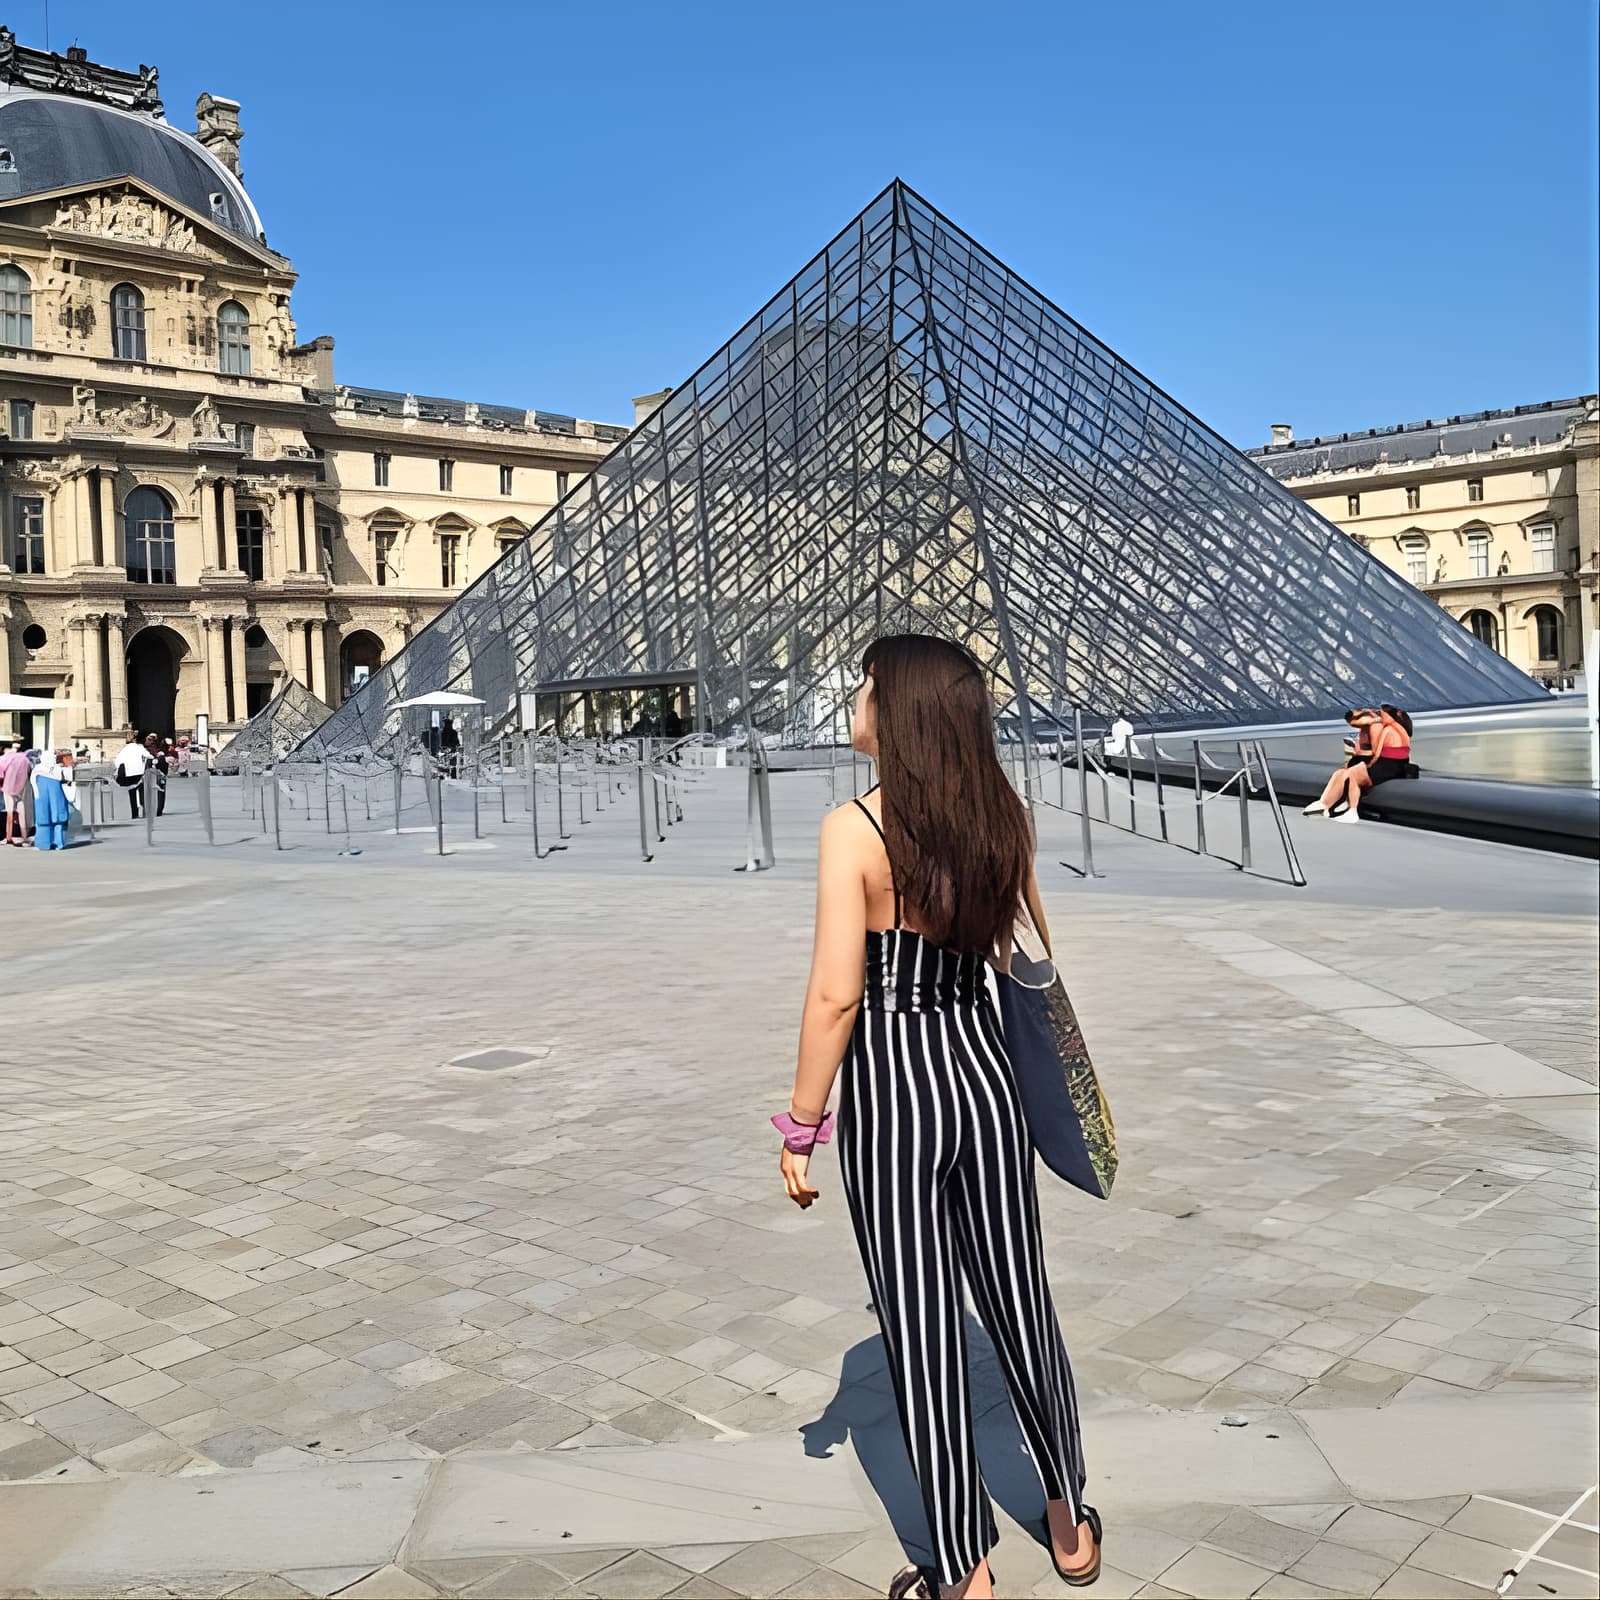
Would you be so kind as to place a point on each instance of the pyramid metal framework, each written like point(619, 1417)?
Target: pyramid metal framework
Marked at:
point(908, 437)
point(288, 719)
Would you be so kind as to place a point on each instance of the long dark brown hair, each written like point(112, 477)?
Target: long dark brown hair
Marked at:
point(958, 836)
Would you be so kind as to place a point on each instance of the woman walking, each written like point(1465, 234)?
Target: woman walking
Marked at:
point(919, 882)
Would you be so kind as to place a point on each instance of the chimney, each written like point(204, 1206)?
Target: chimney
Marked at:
point(216, 126)
point(1282, 433)
point(644, 404)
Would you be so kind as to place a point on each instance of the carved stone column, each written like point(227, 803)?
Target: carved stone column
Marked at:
point(86, 662)
point(117, 654)
point(216, 671)
point(241, 700)
point(317, 659)
point(210, 556)
point(5, 648)
point(83, 522)
point(230, 523)
point(107, 554)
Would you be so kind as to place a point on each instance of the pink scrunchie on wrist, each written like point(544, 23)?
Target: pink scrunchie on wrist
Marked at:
point(799, 1137)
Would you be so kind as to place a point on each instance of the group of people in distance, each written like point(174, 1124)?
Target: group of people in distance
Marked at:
point(1379, 750)
point(48, 773)
point(165, 755)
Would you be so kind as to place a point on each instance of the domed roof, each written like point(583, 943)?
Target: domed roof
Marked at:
point(59, 142)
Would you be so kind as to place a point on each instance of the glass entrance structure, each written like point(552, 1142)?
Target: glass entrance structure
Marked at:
point(908, 437)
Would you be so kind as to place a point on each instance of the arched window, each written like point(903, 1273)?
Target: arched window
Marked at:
point(16, 306)
point(233, 339)
point(1482, 626)
point(1547, 632)
point(150, 553)
point(127, 323)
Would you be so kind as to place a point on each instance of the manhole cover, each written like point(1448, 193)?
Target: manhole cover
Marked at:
point(499, 1059)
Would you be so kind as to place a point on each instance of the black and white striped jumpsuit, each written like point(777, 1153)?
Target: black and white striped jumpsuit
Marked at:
point(938, 1174)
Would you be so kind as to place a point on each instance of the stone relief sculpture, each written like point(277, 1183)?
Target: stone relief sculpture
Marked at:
point(206, 421)
point(137, 419)
point(126, 216)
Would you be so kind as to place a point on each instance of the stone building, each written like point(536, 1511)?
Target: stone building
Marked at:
point(192, 509)
point(1496, 515)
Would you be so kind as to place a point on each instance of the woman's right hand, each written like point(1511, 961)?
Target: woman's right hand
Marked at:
point(794, 1168)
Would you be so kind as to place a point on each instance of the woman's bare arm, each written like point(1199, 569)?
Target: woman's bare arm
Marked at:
point(1030, 893)
point(838, 966)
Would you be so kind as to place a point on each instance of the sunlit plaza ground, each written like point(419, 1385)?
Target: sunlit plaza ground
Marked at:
point(291, 1304)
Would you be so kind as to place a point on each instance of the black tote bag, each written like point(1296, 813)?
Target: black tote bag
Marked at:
point(1068, 1118)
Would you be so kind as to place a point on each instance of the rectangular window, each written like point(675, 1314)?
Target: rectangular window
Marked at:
point(1542, 538)
point(152, 554)
point(1478, 555)
point(1474, 488)
point(127, 325)
point(380, 470)
point(1352, 505)
point(244, 435)
point(27, 513)
point(16, 307)
point(383, 555)
point(505, 480)
point(1413, 498)
point(250, 525)
point(561, 486)
point(325, 547)
point(1417, 564)
point(22, 419)
point(447, 474)
point(506, 544)
point(449, 558)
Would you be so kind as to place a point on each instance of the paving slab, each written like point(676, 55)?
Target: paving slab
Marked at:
point(94, 1534)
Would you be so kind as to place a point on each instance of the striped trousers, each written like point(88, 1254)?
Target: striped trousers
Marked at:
point(938, 1173)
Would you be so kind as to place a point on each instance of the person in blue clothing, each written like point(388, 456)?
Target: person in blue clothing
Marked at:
point(51, 780)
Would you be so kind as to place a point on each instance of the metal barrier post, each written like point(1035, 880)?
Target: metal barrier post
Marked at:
point(327, 793)
point(1277, 814)
point(277, 809)
point(438, 809)
point(644, 839)
point(503, 755)
point(1199, 804)
point(561, 817)
point(1127, 765)
point(1155, 766)
point(87, 809)
point(1244, 810)
point(398, 775)
point(477, 829)
point(764, 799)
point(203, 791)
point(148, 784)
point(655, 799)
point(1083, 797)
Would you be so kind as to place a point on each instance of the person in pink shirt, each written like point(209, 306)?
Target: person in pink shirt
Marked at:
point(15, 770)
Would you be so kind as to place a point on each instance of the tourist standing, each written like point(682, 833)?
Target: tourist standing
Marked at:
point(131, 761)
point(50, 799)
point(919, 882)
point(158, 760)
point(14, 770)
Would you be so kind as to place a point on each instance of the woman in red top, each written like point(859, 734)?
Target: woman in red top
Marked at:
point(1388, 734)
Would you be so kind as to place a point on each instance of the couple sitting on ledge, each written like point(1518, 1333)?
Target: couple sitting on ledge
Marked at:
point(1381, 750)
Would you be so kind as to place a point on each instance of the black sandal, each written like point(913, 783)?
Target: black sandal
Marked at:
point(912, 1582)
point(1078, 1577)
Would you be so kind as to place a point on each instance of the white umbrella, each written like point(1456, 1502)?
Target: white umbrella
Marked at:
point(33, 702)
point(441, 697)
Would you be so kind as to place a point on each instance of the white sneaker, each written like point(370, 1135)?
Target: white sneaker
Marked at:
point(1315, 809)
point(1349, 816)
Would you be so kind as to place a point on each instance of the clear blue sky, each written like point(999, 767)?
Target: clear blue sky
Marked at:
point(1336, 215)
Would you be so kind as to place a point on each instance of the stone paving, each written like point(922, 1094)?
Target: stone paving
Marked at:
point(254, 1220)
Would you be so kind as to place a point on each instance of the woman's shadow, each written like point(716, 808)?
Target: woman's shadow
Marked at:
point(863, 1411)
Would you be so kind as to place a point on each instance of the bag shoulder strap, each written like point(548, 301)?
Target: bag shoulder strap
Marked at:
point(878, 829)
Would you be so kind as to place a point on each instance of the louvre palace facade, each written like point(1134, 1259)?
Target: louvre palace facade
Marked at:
point(194, 510)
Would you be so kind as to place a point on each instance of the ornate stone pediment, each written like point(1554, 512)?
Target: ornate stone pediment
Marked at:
point(126, 214)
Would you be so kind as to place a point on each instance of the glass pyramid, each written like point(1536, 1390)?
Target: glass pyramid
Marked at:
point(908, 437)
point(288, 719)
